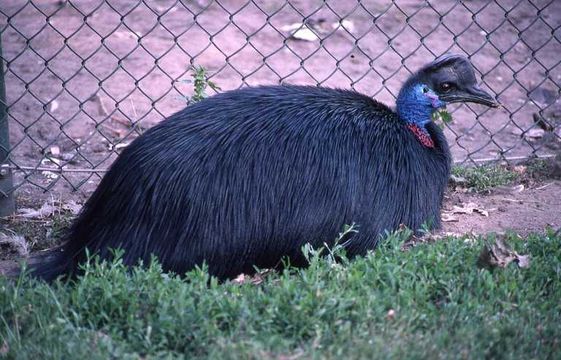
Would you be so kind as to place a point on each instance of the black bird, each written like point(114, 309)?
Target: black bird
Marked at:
point(247, 177)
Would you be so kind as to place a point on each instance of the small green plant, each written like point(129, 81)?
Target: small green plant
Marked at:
point(442, 117)
point(200, 84)
point(484, 177)
point(538, 168)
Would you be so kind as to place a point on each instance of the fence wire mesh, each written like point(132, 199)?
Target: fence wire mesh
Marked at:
point(84, 78)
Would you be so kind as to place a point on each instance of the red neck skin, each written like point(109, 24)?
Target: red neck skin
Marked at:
point(422, 135)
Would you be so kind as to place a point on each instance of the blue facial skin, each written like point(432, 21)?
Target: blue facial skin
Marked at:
point(417, 103)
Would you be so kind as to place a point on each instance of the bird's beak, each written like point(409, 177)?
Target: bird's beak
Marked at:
point(471, 94)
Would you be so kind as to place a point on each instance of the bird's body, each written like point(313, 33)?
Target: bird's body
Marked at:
point(247, 177)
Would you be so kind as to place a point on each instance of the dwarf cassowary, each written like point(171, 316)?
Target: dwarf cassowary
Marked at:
point(245, 178)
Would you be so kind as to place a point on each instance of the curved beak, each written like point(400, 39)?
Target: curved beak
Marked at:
point(471, 94)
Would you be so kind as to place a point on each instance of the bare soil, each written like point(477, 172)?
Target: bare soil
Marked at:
point(530, 210)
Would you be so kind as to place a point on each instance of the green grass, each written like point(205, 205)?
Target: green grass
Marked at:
point(445, 307)
point(485, 177)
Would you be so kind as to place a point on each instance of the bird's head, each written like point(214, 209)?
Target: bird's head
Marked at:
point(448, 79)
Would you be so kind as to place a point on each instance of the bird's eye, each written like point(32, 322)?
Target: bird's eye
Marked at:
point(446, 86)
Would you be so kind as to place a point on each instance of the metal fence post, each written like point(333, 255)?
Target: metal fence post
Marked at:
point(7, 204)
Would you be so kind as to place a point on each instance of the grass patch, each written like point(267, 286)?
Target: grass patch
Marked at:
point(539, 169)
point(484, 177)
point(444, 307)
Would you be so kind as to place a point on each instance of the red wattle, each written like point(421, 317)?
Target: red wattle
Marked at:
point(421, 135)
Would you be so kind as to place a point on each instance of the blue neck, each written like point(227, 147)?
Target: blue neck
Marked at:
point(413, 113)
point(414, 108)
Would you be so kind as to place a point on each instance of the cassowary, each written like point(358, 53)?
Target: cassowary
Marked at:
point(245, 178)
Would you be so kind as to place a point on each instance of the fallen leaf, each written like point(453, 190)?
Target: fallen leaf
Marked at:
point(344, 24)
point(464, 209)
point(307, 31)
point(53, 106)
point(240, 279)
point(54, 150)
point(468, 209)
point(305, 34)
point(391, 314)
point(50, 175)
point(500, 254)
point(523, 261)
point(535, 133)
point(15, 242)
point(482, 212)
point(50, 160)
point(256, 279)
point(118, 146)
point(448, 217)
point(45, 211)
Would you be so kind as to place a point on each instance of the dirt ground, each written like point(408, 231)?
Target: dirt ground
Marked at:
point(84, 78)
point(511, 208)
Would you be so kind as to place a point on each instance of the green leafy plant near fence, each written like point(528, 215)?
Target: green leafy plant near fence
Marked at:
point(200, 84)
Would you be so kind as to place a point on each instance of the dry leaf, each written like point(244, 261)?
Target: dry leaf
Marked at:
point(468, 209)
point(518, 188)
point(305, 34)
point(256, 279)
point(448, 217)
point(53, 106)
point(50, 161)
point(118, 146)
point(45, 211)
point(54, 150)
point(50, 175)
point(500, 254)
point(535, 133)
point(240, 279)
point(15, 242)
point(306, 31)
point(482, 212)
point(344, 25)
point(523, 261)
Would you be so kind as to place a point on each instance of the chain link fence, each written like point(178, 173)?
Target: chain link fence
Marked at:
point(84, 78)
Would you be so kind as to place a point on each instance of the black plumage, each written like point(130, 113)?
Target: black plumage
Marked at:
point(247, 177)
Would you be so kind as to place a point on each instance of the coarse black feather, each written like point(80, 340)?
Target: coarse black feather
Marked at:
point(246, 177)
